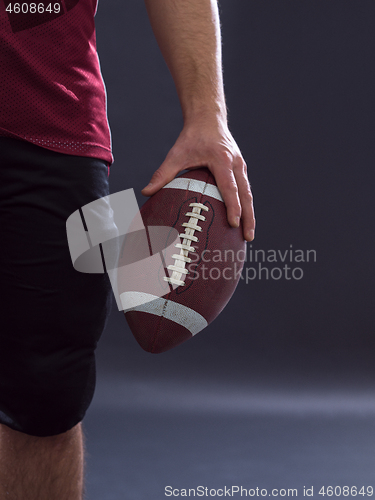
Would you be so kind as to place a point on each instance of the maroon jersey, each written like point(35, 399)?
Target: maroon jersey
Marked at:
point(51, 89)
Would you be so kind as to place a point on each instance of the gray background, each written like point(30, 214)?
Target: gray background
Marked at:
point(277, 392)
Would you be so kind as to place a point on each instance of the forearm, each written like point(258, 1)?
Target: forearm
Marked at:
point(188, 34)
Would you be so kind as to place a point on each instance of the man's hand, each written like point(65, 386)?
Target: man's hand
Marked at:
point(212, 147)
point(188, 34)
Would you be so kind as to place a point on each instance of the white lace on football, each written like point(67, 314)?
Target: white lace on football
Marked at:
point(185, 247)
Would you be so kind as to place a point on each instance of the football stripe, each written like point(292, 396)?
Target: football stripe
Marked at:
point(195, 186)
point(182, 315)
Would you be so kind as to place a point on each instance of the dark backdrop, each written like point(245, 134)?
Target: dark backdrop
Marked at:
point(299, 80)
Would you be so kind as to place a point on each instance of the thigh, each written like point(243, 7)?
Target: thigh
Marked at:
point(51, 315)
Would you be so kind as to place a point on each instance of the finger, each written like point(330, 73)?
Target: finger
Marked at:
point(164, 174)
point(247, 206)
point(227, 185)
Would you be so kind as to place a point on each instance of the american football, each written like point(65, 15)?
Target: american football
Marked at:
point(198, 266)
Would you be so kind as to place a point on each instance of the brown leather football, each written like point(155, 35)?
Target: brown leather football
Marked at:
point(184, 279)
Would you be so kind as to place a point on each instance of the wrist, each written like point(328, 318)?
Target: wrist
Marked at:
point(212, 115)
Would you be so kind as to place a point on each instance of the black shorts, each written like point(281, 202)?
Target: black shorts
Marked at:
point(51, 315)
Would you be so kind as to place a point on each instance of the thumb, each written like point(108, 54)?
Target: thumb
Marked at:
point(160, 178)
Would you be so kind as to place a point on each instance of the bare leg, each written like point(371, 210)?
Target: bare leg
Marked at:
point(41, 468)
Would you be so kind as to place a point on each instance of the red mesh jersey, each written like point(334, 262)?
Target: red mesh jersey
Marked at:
point(51, 88)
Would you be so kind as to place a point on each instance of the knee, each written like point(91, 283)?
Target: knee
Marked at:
point(51, 398)
point(13, 439)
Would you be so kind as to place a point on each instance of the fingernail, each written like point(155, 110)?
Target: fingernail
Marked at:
point(250, 235)
point(237, 221)
point(148, 185)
